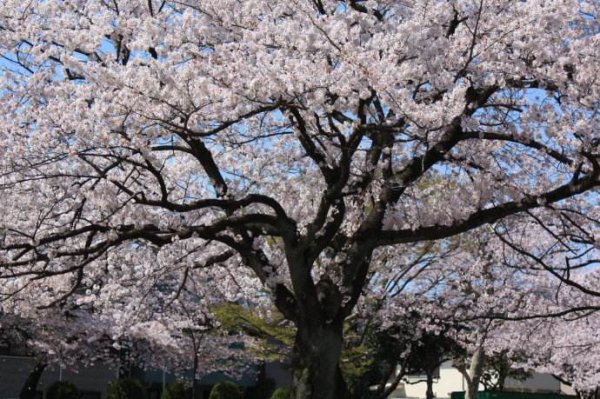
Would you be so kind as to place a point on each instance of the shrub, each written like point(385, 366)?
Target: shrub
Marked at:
point(63, 390)
point(226, 390)
point(281, 393)
point(178, 389)
point(125, 388)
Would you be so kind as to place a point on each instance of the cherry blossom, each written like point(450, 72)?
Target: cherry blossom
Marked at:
point(289, 152)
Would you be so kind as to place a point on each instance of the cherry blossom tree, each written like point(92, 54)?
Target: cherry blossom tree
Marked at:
point(174, 339)
point(499, 304)
point(458, 289)
point(286, 151)
point(566, 346)
point(69, 339)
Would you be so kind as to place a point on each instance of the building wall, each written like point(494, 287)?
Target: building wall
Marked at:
point(536, 383)
point(13, 372)
point(451, 380)
point(567, 389)
point(280, 373)
point(15, 369)
point(93, 381)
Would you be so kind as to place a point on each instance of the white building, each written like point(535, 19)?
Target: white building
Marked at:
point(450, 380)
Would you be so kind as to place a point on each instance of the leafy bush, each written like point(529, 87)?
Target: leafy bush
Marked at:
point(63, 390)
point(178, 389)
point(281, 393)
point(125, 388)
point(226, 390)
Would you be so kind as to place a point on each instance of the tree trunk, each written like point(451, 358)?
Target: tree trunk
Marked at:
point(501, 382)
point(195, 373)
point(31, 383)
point(429, 393)
point(475, 371)
point(317, 374)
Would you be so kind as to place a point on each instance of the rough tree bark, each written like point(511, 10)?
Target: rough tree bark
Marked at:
point(316, 369)
point(319, 319)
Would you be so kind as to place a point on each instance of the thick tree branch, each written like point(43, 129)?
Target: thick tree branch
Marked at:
point(488, 215)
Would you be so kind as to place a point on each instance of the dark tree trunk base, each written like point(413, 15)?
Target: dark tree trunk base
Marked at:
point(32, 381)
point(317, 374)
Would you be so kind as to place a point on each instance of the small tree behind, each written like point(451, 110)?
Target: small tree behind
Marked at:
point(500, 366)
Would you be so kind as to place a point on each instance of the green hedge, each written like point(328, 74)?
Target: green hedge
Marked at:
point(226, 390)
point(281, 393)
point(512, 395)
point(126, 388)
point(63, 390)
point(178, 389)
